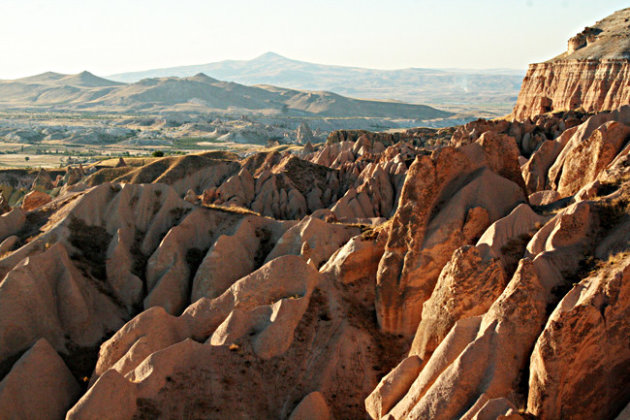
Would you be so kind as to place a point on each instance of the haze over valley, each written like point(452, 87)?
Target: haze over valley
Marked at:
point(51, 116)
point(276, 239)
point(484, 91)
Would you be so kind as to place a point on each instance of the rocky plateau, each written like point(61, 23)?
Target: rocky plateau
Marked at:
point(593, 74)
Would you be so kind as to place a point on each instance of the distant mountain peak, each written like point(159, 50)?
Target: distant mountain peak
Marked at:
point(415, 85)
point(270, 55)
point(87, 79)
point(202, 77)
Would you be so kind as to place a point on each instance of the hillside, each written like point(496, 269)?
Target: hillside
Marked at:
point(478, 272)
point(198, 93)
point(414, 85)
point(607, 39)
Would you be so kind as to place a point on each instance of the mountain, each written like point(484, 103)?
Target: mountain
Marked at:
point(592, 74)
point(376, 275)
point(414, 85)
point(49, 89)
point(198, 93)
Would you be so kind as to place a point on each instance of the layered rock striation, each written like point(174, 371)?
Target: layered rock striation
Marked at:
point(593, 74)
point(367, 276)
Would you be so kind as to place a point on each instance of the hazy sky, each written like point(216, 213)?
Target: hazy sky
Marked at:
point(115, 36)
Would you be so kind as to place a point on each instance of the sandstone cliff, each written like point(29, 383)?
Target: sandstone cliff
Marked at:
point(593, 74)
point(489, 279)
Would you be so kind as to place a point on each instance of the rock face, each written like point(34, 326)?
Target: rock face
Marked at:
point(38, 386)
point(593, 74)
point(35, 199)
point(183, 283)
point(427, 228)
point(584, 161)
point(581, 360)
point(467, 286)
point(593, 85)
point(368, 276)
point(258, 331)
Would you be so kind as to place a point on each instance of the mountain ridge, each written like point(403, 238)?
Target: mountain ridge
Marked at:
point(196, 93)
point(413, 85)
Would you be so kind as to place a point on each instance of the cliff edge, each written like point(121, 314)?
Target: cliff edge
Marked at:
point(592, 74)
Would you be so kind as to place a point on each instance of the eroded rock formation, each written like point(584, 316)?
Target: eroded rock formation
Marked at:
point(592, 74)
point(374, 275)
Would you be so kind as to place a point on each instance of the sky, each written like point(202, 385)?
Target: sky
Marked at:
point(114, 36)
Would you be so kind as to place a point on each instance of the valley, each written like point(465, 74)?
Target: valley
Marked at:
point(181, 247)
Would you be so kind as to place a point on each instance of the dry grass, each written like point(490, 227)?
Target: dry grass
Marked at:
point(612, 212)
point(167, 169)
point(107, 175)
point(130, 161)
point(283, 148)
point(219, 154)
point(233, 209)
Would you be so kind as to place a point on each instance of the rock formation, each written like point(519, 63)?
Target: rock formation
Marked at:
point(38, 386)
point(580, 361)
point(592, 74)
point(446, 203)
point(376, 275)
point(35, 199)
